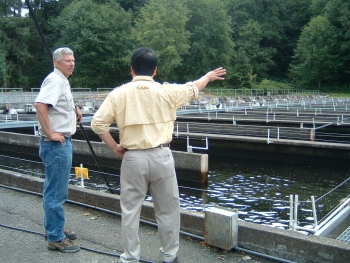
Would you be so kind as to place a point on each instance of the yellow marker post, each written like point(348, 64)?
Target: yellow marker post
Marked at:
point(82, 173)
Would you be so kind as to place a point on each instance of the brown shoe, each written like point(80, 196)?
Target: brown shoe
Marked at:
point(69, 234)
point(65, 245)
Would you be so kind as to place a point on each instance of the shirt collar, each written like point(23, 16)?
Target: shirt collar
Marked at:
point(143, 78)
point(61, 75)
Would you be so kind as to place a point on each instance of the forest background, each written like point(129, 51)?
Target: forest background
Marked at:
point(267, 44)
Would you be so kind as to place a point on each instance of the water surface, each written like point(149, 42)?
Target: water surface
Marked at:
point(259, 190)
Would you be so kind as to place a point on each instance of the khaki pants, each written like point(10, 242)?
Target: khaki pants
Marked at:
point(153, 169)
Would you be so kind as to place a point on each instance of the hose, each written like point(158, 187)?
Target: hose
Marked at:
point(152, 224)
point(82, 247)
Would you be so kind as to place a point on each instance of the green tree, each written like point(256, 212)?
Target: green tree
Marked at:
point(317, 7)
point(48, 10)
point(272, 27)
point(316, 61)
point(134, 5)
point(257, 31)
point(15, 35)
point(11, 8)
point(249, 40)
point(293, 15)
point(161, 26)
point(99, 36)
point(3, 68)
point(338, 13)
point(22, 48)
point(211, 39)
point(241, 76)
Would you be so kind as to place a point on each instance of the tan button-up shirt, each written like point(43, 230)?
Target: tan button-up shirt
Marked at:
point(144, 111)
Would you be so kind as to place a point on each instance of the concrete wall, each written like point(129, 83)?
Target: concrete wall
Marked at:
point(284, 244)
point(275, 145)
point(183, 160)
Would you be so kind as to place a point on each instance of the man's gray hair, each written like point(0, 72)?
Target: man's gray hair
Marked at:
point(57, 55)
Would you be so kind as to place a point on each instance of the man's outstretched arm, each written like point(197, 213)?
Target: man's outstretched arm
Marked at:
point(216, 74)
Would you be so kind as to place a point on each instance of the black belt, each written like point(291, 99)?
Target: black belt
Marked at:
point(159, 146)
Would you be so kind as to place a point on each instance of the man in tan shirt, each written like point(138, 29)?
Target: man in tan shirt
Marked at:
point(145, 111)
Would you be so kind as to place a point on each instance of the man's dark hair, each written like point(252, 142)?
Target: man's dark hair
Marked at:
point(143, 61)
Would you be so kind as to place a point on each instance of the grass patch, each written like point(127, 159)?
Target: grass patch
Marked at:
point(337, 94)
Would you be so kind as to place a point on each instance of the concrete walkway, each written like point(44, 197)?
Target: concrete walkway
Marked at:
point(99, 234)
point(100, 231)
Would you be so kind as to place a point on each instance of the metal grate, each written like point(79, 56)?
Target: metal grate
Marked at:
point(345, 236)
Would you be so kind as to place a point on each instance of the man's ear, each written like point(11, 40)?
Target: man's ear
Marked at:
point(56, 63)
point(132, 72)
point(155, 72)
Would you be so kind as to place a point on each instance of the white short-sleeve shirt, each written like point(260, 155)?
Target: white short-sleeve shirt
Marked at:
point(55, 91)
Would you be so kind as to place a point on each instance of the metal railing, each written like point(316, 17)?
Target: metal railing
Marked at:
point(257, 92)
point(328, 221)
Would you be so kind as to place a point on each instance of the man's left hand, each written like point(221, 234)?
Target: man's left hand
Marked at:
point(79, 115)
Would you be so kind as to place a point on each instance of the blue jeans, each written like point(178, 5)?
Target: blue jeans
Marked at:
point(57, 158)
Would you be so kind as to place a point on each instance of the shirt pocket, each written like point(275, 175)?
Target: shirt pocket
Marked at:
point(69, 102)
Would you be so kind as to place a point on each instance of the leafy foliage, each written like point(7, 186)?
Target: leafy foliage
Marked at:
point(99, 37)
point(211, 39)
point(316, 58)
point(338, 13)
point(305, 42)
point(16, 36)
point(161, 25)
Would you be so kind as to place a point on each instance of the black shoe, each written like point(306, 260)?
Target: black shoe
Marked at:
point(69, 234)
point(174, 261)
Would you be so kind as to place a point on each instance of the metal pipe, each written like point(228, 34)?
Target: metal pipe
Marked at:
point(295, 212)
point(314, 210)
point(39, 29)
point(201, 148)
point(290, 211)
point(346, 203)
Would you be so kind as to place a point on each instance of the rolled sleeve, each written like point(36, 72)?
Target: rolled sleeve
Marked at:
point(186, 93)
